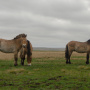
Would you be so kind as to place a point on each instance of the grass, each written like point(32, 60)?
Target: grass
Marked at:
point(46, 73)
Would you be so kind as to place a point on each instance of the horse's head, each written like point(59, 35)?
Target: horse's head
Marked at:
point(24, 42)
point(26, 51)
point(22, 54)
point(21, 40)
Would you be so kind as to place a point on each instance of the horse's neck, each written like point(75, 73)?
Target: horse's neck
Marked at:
point(18, 43)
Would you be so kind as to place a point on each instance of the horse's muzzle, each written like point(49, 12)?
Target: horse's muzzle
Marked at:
point(24, 45)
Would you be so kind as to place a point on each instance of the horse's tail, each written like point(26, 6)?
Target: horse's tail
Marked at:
point(66, 52)
point(28, 48)
point(29, 52)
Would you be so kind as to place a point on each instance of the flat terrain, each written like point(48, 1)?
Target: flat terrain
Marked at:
point(41, 54)
point(47, 72)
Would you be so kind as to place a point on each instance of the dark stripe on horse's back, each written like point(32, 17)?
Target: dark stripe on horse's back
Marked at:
point(28, 48)
point(66, 52)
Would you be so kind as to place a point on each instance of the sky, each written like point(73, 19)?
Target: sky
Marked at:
point(47, 23)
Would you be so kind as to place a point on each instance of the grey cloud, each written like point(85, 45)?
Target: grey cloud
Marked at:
point(48, 23)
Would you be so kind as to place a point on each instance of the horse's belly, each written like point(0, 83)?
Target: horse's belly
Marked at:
point(81, 49)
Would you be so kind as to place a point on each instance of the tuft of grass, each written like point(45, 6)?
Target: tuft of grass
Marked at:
point(84, 67)
point(16, 71)
point(81, 67)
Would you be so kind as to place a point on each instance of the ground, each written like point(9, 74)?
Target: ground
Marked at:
point(48, 72)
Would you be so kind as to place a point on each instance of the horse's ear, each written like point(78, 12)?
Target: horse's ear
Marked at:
point(26, 35)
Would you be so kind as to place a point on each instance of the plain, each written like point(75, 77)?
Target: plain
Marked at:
point(47, 72)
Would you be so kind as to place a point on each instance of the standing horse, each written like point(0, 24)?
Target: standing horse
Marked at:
point(13, 46)
point(80, 47)
point(26, 51)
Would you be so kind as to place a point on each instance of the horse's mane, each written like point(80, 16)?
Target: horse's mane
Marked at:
point(88, 41)
point(28, 48)
point(20, 35)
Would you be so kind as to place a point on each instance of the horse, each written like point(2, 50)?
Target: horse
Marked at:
point(80, 47)
point(26, 51)
point(13, 46)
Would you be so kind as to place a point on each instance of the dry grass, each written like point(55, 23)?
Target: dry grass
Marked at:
point(41, 54)
point(36, 54)
point(6, 56)
point(84, 67)
point(53, 55)
point(47, 54)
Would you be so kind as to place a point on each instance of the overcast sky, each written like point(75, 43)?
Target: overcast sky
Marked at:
point(47, 23)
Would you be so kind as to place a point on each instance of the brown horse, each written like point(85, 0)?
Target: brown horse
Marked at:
point(26, 51)
point(80, 47)
point(13, 46)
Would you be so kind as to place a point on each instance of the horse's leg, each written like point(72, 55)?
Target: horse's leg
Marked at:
point(22, 56)
point(67, 54)
point(29, 59)
point(70, 53)
point(67, 61)
point(87, 61)
point(15, 58)
point(22, 61)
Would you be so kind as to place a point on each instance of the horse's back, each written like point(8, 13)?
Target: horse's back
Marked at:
point(72, 43)
point(80, 47)
point(7, 46)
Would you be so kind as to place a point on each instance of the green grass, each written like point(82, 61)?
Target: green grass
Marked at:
point(45, 74)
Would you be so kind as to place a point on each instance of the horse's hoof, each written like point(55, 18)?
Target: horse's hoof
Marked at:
point(29, 64)
point(66, 62)
point(22, 64)
point(87, 62)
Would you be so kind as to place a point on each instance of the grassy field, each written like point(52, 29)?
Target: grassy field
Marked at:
point(48, 72)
